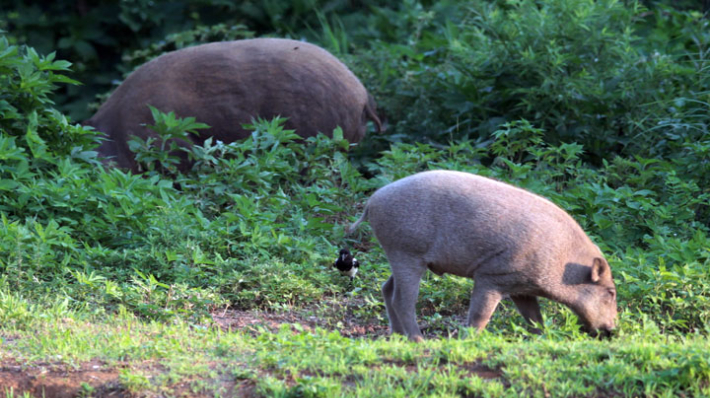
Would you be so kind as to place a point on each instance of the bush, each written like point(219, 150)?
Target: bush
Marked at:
point(601, 74)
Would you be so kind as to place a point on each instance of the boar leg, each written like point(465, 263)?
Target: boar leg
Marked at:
point(484, 301)
point(388, 293)
point(407, 273)
point(529, 309)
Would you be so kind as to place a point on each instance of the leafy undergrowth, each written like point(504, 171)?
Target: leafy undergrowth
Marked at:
point(258, 223)
point(135, 357)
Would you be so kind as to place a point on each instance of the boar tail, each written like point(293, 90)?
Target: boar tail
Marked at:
point(370, 111)
point(357, 223)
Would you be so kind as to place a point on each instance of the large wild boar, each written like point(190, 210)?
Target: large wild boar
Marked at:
point(510, 241)
point(226, 84)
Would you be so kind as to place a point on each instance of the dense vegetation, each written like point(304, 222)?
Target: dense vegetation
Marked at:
point(600, 106)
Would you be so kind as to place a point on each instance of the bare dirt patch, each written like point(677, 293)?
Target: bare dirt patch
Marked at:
point(60, 380)
point(251, 320)
point(99, 380)
point(342, 314)
point(334, 315)
point(482, 371)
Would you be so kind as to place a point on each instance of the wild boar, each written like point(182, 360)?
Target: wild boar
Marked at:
point(226, 84)
point(510, 241)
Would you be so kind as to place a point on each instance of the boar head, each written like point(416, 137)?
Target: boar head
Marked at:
point(595, 302)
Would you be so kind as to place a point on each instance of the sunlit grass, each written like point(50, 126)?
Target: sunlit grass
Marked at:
point(158, 356)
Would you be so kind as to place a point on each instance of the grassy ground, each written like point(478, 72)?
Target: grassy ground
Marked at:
point(54, 351)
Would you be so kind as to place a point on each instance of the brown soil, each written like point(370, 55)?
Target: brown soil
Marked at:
point(251, 320)
point(60, 380)
point(95, 379)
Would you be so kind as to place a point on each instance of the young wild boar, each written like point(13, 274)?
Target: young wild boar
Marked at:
point(226, 84)
point(510, 241)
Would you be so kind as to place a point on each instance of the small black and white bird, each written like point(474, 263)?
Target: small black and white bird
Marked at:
point(347, 264)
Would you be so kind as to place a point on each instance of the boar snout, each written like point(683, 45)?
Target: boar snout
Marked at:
point(605, 332)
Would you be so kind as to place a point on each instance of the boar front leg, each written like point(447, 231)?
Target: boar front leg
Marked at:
point(529, 308)
point(484, 301)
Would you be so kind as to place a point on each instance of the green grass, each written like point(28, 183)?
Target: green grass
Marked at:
point(160, 357)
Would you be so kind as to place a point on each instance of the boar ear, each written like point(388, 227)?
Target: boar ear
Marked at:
point(599, 267)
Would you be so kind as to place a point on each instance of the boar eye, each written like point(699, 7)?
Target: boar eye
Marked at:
point(612, 293)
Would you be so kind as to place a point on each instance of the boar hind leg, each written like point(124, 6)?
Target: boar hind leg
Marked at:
point(529, 309)
point(484, 301)
point(406, 274)
point(388, 293)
